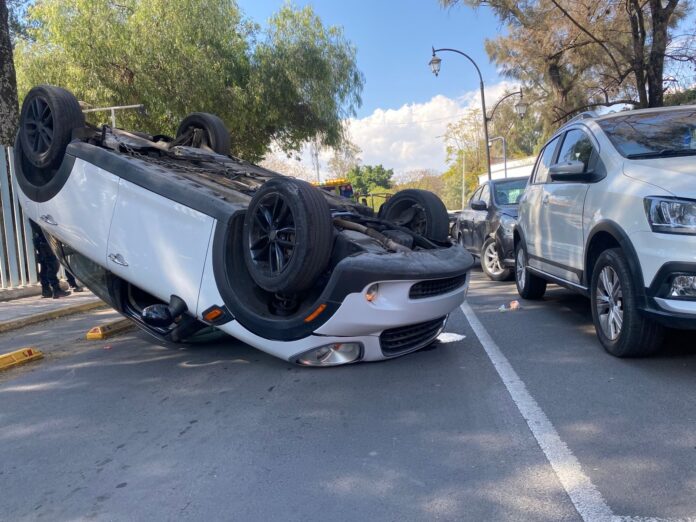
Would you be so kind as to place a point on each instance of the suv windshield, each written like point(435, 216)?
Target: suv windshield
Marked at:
point(653, 135)
point(509, 192)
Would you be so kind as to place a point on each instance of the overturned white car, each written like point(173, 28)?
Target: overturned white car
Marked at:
point(179, 236)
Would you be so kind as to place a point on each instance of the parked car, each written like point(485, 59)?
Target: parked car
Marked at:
point(180, 236)
point(485, 226)
point(610, 212)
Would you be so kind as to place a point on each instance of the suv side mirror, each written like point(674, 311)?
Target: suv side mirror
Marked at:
point(479, 204)
point(570, 171)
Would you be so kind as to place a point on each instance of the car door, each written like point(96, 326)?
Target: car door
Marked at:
point(157, 244)
point(530, 204)
point(480, 220)
point(466, 220)
point(80, 214)
point(562, 208)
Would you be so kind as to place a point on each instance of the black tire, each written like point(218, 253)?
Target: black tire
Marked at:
point(49, 116)
point(636, 335)
point(494, 273)
point(216, 135)
point(529, 286)
point(419, 210)
point(287, 262)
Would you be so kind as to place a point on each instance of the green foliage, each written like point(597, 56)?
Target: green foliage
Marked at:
point(293, 82)
point(368, 178)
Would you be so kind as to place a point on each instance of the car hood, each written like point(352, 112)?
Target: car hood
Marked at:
point(675, 175)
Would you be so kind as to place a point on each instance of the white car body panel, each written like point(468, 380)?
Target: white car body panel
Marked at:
point(144, 228)
point(82, 210)
point(560, 233)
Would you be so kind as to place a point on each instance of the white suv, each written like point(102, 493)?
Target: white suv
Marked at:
point(610, 211)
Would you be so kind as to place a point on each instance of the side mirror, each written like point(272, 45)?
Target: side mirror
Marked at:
point(162, 315)
point(570, 171)
point(479, 204)
point(157, 315)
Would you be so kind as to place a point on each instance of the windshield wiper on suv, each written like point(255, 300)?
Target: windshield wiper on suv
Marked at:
point(664, 153)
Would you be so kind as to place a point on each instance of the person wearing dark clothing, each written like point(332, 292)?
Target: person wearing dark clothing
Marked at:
point(48, 265)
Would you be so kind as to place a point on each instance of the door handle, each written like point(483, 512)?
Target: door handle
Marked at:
point(47, 218)
point(118, 259)
point(545, 200)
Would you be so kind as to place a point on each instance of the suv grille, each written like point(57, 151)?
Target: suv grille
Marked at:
point(408, 338)
point(434, 287)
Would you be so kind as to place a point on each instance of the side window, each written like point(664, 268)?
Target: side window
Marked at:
point(576, 147)
point(477, 195)
point(486, 195)
point(541, 172)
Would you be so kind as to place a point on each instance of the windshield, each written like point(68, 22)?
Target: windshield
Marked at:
point(509, 192)
point(653, 135)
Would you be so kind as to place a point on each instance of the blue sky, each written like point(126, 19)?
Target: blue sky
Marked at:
point(394, 39)
point(405, 108)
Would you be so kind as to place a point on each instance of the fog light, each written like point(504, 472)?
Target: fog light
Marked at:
point(683, 286)
point(371, 293)
point(331, 355)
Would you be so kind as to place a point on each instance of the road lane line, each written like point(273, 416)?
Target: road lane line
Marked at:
point(588, 501)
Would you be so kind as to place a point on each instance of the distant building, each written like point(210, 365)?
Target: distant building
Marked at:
point(515, 168)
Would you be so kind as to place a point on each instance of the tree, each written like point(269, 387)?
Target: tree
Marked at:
point(293, 82)
point(579, 54)
point(344, 158)
point(9, 108)
point(368, 178)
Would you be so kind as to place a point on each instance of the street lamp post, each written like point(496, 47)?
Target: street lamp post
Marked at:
point(501, 138)
point(520, 107)
point(435, 67)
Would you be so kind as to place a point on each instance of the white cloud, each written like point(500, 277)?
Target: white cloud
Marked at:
point(410, 137)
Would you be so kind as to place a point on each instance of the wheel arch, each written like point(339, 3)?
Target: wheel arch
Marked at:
point(609, 234)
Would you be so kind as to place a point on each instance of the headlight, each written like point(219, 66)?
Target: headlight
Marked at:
point(507, 223)
point(332, 355)
point(683, 286)
point(671, 216)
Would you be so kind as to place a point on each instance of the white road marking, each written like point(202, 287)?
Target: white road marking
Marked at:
point(586, 498)
point(583, 494)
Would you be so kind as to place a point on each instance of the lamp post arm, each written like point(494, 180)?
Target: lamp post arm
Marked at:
point(489, 118)
point(483, 102)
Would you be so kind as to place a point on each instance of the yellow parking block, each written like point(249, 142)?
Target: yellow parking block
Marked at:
point(21, 356)
point(99, 333)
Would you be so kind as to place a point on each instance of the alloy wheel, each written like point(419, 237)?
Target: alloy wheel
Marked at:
point(521, 269)
point(492, 260)
point(609, 302)
point(272, 238)
point(38, 125)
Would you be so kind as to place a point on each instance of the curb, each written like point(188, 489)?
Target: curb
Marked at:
point(21, 356)
point(99, 333)
point(14, 324)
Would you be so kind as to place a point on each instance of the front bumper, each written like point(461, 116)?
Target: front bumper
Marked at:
point(669, 311)
point(391, 325)
point(505, 245)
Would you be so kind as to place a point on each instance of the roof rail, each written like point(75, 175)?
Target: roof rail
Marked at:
point(582, 116)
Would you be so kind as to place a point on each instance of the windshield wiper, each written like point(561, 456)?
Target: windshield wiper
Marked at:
point(664, 153)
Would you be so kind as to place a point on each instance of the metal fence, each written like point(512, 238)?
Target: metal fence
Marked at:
point(17, 261)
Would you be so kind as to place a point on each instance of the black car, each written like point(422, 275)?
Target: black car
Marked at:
point(486, 225)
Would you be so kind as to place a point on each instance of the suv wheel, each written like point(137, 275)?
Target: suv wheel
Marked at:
point(621, 329)
point(490, 262)
point(529, 286)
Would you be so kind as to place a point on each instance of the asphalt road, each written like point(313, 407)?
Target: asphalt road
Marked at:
point(525, 417)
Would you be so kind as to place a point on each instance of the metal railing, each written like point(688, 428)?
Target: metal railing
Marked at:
point(17, 260)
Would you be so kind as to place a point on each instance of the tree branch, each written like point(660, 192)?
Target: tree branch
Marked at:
point(596, 40)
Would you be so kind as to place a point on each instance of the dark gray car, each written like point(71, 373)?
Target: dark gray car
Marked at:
point(485, 226)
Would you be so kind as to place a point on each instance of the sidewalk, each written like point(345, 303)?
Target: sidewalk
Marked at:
point(30, 310)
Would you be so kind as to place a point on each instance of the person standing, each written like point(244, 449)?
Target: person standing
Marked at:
point(48, 265)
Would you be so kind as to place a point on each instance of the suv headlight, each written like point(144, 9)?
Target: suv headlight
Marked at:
point(670, 215)
point(507, 223)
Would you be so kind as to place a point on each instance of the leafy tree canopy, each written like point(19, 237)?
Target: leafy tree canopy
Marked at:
point(368, 178)
point(292, 82)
